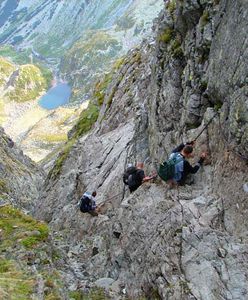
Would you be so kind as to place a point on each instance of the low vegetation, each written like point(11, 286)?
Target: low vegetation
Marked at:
point(204, 18)
point(166, 36)
point(20, 228)
point(17, 57)
point(23, 243)
point(96, 294)
point(6, 69)
point(171, 6)
point(28, 85)
point(14, 282)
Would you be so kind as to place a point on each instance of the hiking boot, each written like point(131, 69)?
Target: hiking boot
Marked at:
point(93, 213)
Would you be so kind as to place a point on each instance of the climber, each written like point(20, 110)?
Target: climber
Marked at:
point(87, 203)
point(135, 176)
point(182, 166)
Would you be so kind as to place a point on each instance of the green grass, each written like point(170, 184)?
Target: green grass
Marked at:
point(28, 85)
point(96, 294)
point(100, 88)
point(16, 226)
point(20, 233)
point(218, 105)
point(102, 85)
point(87, 119)
point(166, 36)
point(14, 283)
point(17, 57)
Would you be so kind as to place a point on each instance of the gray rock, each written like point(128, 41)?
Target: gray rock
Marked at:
point(186, 243)
point(104, 282)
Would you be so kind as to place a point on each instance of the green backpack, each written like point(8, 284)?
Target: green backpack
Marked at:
point(167, 169)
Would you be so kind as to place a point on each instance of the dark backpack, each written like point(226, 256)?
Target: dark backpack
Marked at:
point(135, 179)
point(85, 204)
point(129, 171)
point(167, 170)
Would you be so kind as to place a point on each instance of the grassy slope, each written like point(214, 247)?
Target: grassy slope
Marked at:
point(23, 241)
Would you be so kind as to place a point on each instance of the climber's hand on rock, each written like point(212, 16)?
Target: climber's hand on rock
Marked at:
point(204, 155)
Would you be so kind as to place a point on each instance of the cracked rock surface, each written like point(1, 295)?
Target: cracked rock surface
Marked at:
point(185, 243)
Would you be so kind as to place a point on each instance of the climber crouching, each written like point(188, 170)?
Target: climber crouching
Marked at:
point(87, 204)
point(176, 170)
point(135, 176)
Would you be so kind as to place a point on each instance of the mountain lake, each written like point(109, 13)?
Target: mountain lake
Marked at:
point(56, 96)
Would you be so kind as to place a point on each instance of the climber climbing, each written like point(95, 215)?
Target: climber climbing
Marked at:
point(135, 176)
point(87, 204)
point(176, 170)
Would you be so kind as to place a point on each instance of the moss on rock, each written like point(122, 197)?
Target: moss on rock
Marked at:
point(166, 36)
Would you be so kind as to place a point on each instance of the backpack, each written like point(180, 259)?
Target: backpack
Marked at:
point(129, 171)
point(85, 204)
point(167, 170)
point(135, 179)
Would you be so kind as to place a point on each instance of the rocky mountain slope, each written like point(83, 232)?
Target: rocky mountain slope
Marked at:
point(78, 39)
point(50, 27)
point(97, 49)
point(184, 243)
point(28, 257)
point(20, 177)
point(22, 118)
point(187, 243)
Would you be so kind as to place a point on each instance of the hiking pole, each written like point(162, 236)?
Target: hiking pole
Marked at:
point(208, 123)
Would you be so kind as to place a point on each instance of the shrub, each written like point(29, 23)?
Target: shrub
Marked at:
point(171, 6)
point(166, 36)
point(204, 18)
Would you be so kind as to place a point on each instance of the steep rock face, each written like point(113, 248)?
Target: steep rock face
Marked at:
point(187, 243)
point(21, 179)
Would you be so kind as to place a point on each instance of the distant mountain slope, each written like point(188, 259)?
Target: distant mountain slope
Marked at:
point(50, 26)
point(53, 25)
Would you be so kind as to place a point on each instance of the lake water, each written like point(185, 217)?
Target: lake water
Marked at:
point(57, 96)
